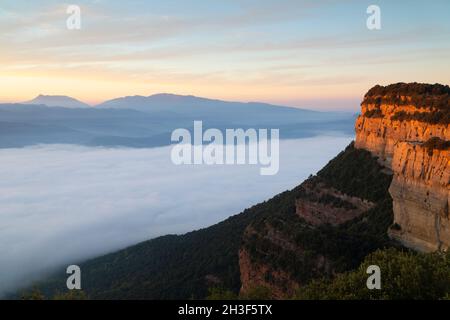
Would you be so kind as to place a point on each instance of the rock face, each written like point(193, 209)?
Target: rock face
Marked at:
point(329, 223)
point(420, 190)
point(258, 273)
point(396, 128)
point(316, 204)
point(323, 227)
point(380, 134)
point(322, 204)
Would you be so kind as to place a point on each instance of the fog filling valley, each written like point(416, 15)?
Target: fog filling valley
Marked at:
point(61, 204)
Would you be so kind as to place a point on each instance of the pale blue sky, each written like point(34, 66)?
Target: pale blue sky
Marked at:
point(316, 54)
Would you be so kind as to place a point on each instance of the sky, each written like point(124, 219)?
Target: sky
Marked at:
point(310, 54)
point(61, 204)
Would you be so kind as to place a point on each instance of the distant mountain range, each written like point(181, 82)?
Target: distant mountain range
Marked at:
point(58, 101)
point(140, 121)
point(164, 101)
point(156, 102)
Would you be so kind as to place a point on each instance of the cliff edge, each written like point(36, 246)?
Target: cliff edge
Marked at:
point(407, 127)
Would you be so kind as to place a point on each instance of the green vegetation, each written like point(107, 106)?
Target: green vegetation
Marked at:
point(408, 89)
point(404, 275)
point(325, 199)
point(169, 267)
point(33, 294)
point(435, 97)
point(255, 293)
point(354, 172)
point(374, 113)
point(220, 293)
point(36, 294)
point(435, 117)
point(178, 267)
point(357, 173)
point(204, 263)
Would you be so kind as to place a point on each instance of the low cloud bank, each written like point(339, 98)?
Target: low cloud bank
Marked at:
point(60, 204)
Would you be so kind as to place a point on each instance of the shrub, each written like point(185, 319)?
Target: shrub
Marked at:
point(435, 97)
point(404, 275)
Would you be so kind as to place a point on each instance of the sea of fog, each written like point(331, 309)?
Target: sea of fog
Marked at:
point(60, 204)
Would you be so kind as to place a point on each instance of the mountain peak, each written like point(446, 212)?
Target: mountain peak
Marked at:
point(57, 101)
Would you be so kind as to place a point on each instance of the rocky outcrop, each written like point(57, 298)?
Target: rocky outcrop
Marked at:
point(259, 271)
point(329, 223)
point(379, 133)
point(395, 127)
point(321, 204)
point(421, 194)
point(256, 275)
point(324, 226)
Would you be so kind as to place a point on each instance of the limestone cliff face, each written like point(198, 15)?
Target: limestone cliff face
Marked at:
point(397, 134)
point(420, 191)
point(334, 219)
point(379, 134)
point(322, 227)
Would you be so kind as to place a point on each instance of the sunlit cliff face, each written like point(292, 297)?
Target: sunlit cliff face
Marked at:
point(400, 135)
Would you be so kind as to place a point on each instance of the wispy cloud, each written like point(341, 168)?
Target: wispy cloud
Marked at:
point(236, 43)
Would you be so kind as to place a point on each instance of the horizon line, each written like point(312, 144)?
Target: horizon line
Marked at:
point(286, 104)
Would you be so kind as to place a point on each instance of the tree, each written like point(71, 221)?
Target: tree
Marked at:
point(404, 275)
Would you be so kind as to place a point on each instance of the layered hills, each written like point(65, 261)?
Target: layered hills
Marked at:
point(57, 101)
point(142, 122)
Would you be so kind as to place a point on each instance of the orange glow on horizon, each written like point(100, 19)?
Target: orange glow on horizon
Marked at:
point(24, 87)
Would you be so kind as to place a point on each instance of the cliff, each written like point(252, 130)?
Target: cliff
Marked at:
point(379, 134)
point(332, 226)
point(325, 226)
point(320, 204)
point(407, 127)
point(354, 203)
point(420, 191)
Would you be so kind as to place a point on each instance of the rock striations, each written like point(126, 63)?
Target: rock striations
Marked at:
point(407, 127)
point(392, 183)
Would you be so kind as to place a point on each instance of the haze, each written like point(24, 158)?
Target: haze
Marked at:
point(62, 204)
point(311, 54)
